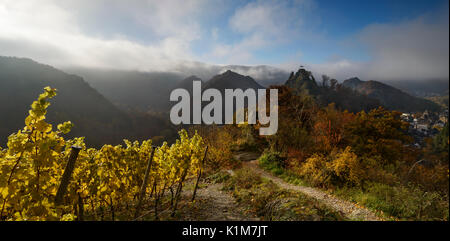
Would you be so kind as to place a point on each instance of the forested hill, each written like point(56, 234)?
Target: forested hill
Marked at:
point(356, 95)
point(132, 89)
point(390, 97)
point(96, 118)
point(330, 91)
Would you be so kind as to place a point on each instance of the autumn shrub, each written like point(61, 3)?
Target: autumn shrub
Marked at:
point(245, 178)
point(220, 141)
point(337, 169)
point(346, 168)
point(294, 159)
point(315, 170)
point(433, 178)
point(273, 162)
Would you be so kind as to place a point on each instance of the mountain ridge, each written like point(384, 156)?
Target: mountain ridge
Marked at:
point(232, 80)
point(389, 96)
point(93, 115)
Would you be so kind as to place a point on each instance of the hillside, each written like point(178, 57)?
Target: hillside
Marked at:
point(187, 83)
point(390, 97)
point(440, 100)
point(227, 80)
point(150, 90)
point(304, 83)
point(132, 89)
point(22, 80)
point(232, 80)
point(424, 88)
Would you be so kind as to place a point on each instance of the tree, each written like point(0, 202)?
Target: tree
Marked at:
point(295, 116)
point(329, 127)
point(378, 133)
point(441, 141)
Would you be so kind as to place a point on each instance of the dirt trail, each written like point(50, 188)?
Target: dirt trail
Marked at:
point(348, 209)
point(213, 204)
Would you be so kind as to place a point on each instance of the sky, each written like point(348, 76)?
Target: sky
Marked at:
point(382, 40)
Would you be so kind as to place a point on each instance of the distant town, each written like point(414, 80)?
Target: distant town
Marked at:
point(424, 125)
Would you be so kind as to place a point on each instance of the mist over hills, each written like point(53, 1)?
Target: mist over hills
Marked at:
point(118, 110)
point(132, 89)
point(94, 116)
point(149, 91)
point(109, 105)
point(425, 88)
point(263, 74)
point(146, 91)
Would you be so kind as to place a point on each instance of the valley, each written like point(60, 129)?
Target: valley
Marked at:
point(343, 151)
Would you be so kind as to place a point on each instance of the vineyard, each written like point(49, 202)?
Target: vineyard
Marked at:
point(43, 176)
point(366, 175)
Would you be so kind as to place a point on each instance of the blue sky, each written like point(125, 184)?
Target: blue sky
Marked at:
point(331, 25)
point(340, 20)
point(382, 39)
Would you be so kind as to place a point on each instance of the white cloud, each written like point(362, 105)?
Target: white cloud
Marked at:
point(340, 69)
point(239, 53)
point(412, 50)
point(261, 25)
point(53, 32)
point(417, 49)
point(260, 17)
point(154, 35)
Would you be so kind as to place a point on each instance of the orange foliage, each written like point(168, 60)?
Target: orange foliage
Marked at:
point(378, 133)
point(329, 127)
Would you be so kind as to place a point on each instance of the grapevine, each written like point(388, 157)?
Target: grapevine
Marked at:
point(105, 181)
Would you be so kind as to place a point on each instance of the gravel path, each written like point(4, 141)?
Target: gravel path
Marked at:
point(213, 204)
point(348, 209)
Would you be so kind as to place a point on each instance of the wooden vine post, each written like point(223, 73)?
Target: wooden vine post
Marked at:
point(62, 189)
point(180, 185)
point(144, 183)
point(202, 164)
